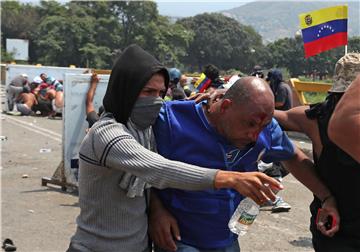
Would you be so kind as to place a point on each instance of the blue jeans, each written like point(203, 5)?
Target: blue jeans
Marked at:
point(181, 247)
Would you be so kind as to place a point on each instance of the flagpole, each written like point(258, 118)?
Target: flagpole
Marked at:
point(345, 49)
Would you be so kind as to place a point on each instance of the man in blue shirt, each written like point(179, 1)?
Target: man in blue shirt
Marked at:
point(231, 134)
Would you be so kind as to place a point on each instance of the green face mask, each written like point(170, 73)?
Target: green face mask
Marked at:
point(145, 111)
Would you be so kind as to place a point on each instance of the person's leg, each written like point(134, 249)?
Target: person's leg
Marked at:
point(274, 170)
point(235, 247)
point(50, 94)
point(181, 247)
point(10, 100)
point(42, 105)
point(12, 94)
point(59, 99)
point(282, 170)
point(76, 247)
point(23, 109)
point(25, 101)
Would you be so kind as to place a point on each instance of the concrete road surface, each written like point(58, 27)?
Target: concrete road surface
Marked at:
point(42, 219)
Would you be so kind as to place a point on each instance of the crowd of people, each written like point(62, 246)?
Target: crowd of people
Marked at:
point(168, 175)
point(43, 95)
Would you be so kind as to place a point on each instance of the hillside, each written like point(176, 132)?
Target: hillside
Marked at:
point(274, 20)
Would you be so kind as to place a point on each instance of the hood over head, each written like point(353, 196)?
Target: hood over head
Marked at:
point(275, 76)
point(130, 73)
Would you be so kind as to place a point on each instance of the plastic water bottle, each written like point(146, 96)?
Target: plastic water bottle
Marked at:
point(243, 216)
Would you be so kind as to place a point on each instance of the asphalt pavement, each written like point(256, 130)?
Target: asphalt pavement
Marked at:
point(39, 218)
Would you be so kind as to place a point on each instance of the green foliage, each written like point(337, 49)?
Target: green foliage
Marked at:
point(354, 44)
point(18, 21)
point(289, 53)
point(222, 41)
point(93, 33)
point(314, 97)
point(5, 56)
point(169, 42)
point(94, 55)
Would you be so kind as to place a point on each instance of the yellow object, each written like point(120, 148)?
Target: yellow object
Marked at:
point(13, 62)
point(72, 66)
point(302, 86)
point(197, 83)
point(317, 17)
point(38, 65)
point(101, 71)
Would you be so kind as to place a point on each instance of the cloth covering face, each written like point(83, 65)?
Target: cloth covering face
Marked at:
point(129, 75)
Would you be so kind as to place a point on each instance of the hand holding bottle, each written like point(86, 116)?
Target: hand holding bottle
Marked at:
point(255, 185)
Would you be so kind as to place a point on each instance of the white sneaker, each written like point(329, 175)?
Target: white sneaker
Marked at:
point(280, 206)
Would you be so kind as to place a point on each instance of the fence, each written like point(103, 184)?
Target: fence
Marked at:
point(303, 86)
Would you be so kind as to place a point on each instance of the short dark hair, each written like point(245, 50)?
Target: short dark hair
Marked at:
point(211, 71)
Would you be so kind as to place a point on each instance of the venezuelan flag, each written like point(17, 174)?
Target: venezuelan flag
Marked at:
point(202, 83)
point(324, 29)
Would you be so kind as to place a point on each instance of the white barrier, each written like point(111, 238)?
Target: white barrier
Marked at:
point(13, 70)
point(74, 126)
point(74, 118)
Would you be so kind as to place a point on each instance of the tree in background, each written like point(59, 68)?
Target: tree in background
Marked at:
point(63, 35)
point(289, 53)
point(222, 41)
point(354, 44)
point(93, 33)
point(17, 22)
point(142, 24)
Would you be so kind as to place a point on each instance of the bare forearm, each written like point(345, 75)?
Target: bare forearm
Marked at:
point(94, 80)
point(155, 202)
point(293, 119)
point(90, 98)
point(302, 169)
